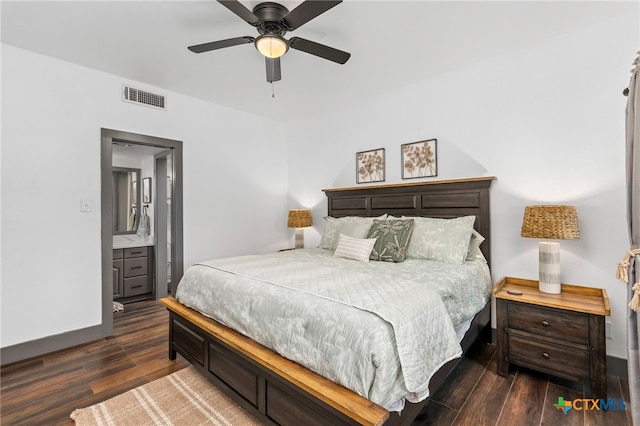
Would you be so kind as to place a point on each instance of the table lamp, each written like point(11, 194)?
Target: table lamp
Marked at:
point(299, 218)
point(553, 222)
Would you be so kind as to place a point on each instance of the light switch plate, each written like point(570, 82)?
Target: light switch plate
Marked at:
point(85, 206)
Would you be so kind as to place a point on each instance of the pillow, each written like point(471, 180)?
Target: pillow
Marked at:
point(356, 229)
point(392, 239)
point(474, 245)
point(443, 240)
point(333, 228)
point(354, 248)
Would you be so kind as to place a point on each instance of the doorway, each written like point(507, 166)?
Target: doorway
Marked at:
point(167, 163)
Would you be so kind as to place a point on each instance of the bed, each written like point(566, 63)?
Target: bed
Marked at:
point(281, 391)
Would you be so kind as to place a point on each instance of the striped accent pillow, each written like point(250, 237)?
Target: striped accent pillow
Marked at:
point(354, 248)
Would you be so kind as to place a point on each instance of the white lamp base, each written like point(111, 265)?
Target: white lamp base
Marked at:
point(299, 238)
point(549, 267)
point(549, 288)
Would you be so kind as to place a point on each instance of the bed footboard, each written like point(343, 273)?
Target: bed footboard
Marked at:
point(276, 390)
point(271, 387)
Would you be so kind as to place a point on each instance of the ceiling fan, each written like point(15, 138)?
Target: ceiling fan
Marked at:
point(273, 21)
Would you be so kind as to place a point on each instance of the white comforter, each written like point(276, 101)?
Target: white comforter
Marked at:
point(380, 329)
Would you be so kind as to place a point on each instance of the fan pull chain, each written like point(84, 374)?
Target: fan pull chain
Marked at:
point(273, 94)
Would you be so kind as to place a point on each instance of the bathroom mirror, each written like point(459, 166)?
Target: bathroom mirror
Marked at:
point(126, 193)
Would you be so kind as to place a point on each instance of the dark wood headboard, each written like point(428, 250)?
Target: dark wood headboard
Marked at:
point(442, 199)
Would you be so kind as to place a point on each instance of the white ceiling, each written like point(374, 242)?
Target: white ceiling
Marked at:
point(392, 43)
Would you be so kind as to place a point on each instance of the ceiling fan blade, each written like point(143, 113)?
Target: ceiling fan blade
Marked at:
point(214, 45)
point(237, 8)
point(273, 69)
point(306, 11)
point(318, 49)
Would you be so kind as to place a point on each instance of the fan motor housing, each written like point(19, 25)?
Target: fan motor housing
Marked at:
point(270, 13)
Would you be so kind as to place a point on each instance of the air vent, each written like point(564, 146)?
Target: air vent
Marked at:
point(137, 96)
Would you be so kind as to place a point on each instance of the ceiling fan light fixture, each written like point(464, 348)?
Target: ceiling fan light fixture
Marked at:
point(271, 46)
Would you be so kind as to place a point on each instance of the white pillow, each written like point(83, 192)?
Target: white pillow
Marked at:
point(354, 248)
point(356, 229)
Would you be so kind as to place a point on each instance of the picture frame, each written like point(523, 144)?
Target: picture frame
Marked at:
point(419, 159)
point(370, 166)
point(146, 190)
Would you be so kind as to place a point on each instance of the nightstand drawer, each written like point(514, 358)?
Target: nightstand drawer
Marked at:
point(562, 325)
point(558, 360)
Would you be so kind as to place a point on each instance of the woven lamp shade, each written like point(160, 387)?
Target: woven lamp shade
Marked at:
point(299, 218)
point(551, 222)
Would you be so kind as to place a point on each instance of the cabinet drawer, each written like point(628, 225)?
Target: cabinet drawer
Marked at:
point(135, 267)
point(562, 361)
point(136, 286)
point(118, 254)
point(559, 324)
point(135, 252)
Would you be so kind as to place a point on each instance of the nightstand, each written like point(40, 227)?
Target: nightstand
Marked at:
point(559, 334)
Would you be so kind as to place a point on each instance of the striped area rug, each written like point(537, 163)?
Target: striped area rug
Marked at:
point(182, 398)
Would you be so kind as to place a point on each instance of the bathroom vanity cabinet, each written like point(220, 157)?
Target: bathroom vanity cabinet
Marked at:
point(133, 273)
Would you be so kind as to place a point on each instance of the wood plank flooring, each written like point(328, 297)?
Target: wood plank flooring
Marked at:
point(476, 395)
point(45, 390)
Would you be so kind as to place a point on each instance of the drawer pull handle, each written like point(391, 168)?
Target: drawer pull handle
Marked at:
point(545, 355)
point(136, 252)
point(136, 267)
point(545, 323)
point(136, 286)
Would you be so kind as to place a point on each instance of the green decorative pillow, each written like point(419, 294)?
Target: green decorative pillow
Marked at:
point(392, 239)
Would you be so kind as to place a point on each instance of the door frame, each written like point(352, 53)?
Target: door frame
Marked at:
point(107, 137)
point(161, 254)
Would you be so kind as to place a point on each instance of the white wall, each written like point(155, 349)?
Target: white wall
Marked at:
point(52, 112)
point(547, 121)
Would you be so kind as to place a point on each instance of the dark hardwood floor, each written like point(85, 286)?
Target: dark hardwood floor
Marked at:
point(476, 395)
point(45, 390)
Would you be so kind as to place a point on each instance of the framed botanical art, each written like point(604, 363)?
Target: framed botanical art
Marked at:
point(419, 159)
point(370, 166)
